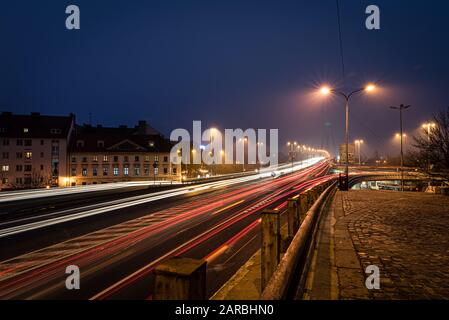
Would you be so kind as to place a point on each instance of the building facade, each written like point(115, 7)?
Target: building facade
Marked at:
point(103, 154)
point(33, 150)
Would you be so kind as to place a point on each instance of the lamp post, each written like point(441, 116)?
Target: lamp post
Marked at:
point(428, 126)
point(347, 97)
point(358, 144)
point(291, 152)
point(401, 135)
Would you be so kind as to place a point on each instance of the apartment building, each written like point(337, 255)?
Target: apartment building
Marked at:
point(33, 150)
point(100, 154)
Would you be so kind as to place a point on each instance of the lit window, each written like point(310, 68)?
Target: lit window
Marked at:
point(151, 144)
point(73, 171)
point(84, 172)
point(156, 158)
point(146, 170)
point(137, 170)
point(105, 158)
point(156, 171)
point(25, 130)
point(126, 170)
point(5, 168)
point(147, 158)
point(115, 171)
point(28, 155)
point(95, 158)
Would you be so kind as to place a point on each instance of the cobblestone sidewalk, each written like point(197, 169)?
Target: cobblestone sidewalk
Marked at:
point(405, 234)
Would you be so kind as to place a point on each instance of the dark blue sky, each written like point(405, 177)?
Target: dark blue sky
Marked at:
point(248, 64)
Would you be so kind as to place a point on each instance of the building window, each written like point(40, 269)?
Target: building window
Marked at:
point(147, 158)
point(55, 150)
point(84, 172)
point(100, 144)
point(115, 171)
point(42, 154)
point(84, 159)
point(105, 158)
point(28, 143)
point(115, 158)
point(6, 142)
point(19, 168)
point(105, 171)
point(137, 170)
point(80, 143)
point(165, 158)
point(151, 144)
point(73, 171)
point(165, 170)
point(146, 169)
point(42, 167)
point(73, 159)
point(5, 155)
point(156, 158)
point(174, 170)
point(5, 168)
point(19, 142)
point(55, 131)
point(28, 168)
point(126, 170)
point(19, 181)
point(5, 180)
point(26, 130)
point(125, 159)
point(19, 155)
point(28, 155)
point(136, 159)
point(95, 158)
point(156, 171)
point(94, 171)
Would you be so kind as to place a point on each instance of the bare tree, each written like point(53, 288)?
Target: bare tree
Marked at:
point(432, 146)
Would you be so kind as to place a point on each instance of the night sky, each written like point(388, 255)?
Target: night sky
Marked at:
point(231, 64)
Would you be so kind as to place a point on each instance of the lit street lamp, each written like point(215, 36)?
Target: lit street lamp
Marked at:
point(401, 136)
point(326, 91)
point(291, 152)
point(428, 126)
point(358, 144)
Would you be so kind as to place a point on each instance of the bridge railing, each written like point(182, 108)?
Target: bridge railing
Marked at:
point(282, 278)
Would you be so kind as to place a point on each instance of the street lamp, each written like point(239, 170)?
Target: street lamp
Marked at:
point(401, 136)
point(291, 152)
point(358, 144)
point(325, 90)
point(428, 126)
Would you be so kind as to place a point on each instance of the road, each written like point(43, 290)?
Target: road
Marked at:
point(117, 243)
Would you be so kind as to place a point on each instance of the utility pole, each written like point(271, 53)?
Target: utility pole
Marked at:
point(400, 108)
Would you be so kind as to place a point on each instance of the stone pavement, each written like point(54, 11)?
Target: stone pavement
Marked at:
point(405, 234)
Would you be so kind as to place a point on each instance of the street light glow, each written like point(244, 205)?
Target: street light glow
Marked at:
point(370, 88)
point(325, 90)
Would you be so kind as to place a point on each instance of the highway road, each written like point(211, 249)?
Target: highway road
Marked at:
point(117, 241)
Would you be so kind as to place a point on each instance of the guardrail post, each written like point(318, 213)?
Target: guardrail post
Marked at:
point(293, 218)
point(180, 279)
point(303, 206)
point(271, 244)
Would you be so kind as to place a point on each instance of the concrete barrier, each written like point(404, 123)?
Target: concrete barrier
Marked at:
point(294, 261)
point(180, 279)
point(271, 243)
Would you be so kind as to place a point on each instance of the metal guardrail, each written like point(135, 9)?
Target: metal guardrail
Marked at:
point(296, 260)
